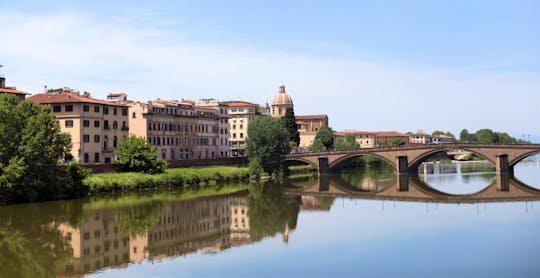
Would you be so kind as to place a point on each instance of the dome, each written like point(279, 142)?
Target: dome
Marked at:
point(282, 98)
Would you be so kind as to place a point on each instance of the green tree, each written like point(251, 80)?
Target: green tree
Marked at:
point(348, 144)
point(32, 145)
point(317, 146)
point(464, 135)
point(396, 142)
point(136, 155)
point(289, 121)
point(267, 141)
point(485, 136)
point(437, 132)
point(326, 135)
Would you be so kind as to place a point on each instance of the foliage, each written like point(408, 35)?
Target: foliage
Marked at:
point(464, 136)
point(438, 133)
point(136, 220)
point(270, 212)
point(289, 121)
point(255, 168)
point(171, 178)
point(348, 144)
point(326, 135)
point(136, 155)
point(396, 142)
point(32, 145)
point(317, 146)
point(488, 136)
point(267, 141)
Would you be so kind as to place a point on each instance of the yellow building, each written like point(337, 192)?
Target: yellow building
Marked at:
point(281, 102)
point(240, 115)
point(365, 139)
point(308, 126)
point(96, 126)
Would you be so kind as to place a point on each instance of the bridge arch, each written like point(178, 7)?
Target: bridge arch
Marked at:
point(522, 157)
point(300, 159)
point(350, 156)
point(413, 165)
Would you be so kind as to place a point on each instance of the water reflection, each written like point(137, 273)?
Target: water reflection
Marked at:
point(458, 178)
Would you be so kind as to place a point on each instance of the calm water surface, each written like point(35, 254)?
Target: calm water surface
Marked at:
point(392, 227)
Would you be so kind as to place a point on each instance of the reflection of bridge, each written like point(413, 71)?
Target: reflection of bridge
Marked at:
point(406, 159)
point(504, 188)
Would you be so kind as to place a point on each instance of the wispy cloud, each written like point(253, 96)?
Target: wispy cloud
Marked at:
point(147, 61)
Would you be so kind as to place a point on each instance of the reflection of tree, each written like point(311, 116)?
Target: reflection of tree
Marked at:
point(270, 211)
point(136, 220)
point(326, 202)
point(30, 242)
point(356, 176)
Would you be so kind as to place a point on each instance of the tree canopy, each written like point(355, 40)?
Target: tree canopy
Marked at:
point(32, 145)
point(136, 155)
point(488, 136)
point(289, 121)
point(326, 135)
point(348, 144)
point(267, 141)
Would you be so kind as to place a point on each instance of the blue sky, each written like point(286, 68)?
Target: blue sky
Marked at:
point(369, 65)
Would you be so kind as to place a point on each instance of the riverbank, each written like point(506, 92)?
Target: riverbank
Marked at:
point(171, 178)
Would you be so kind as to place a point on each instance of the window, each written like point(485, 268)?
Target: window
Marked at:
point(105, 110)
point(86, 123)
point(57, 108)
point(114, 111)
point(86, 160)
point(125, 112)
point(241, 135)
point(106, 124)
point(96, 157)
point(69, 108)
point(86, 108)
point(96, 109)
point(86, 138)
point(115, 141)
point(96, 138)
point(69, 123)
point(133, 115)
point(96, 123)
point(114, 125)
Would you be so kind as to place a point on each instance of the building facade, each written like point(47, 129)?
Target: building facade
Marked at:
point(240, 115)
point(365, 139)
point(308, 126)
point(419, 138)
point(386, 138)
point(169, 126)
point(223, 124)
point(96, 126)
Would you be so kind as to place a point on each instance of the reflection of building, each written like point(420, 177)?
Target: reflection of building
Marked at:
point(240, 115)
point(11, 90)
point(96, 126)
point(310, 203)
point(308, 126)
point(240, 234)
point(96, 244)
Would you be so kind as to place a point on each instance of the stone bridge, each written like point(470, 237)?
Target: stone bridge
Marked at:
point(407, 159)
point(505, 188)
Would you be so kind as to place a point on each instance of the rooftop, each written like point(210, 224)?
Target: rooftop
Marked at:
point(13, 90)
point(69, 97)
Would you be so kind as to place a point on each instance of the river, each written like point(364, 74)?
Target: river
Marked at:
point(458, 220)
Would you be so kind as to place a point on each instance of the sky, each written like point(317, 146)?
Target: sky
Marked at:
point(368, 65)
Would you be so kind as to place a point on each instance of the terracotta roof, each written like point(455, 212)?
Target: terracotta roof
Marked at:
point(419, 134)
point(13, 91)
point(309, 117)
point(390, 134)
point(355, 132)
point(242, 104)
point(69, 97)
point(116, 94)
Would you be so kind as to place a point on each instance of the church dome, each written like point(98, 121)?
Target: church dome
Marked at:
point(282, 98)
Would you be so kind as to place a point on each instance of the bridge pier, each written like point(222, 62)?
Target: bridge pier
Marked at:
point(323, 165)
point(503, 182)
point(403, 183)
point(324, 183)
point(502, 166)
point(402, 165)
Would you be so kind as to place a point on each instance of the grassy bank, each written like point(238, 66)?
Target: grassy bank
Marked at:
point(178, 177)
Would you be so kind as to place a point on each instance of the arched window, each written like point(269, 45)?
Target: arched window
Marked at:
point(115, 141)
